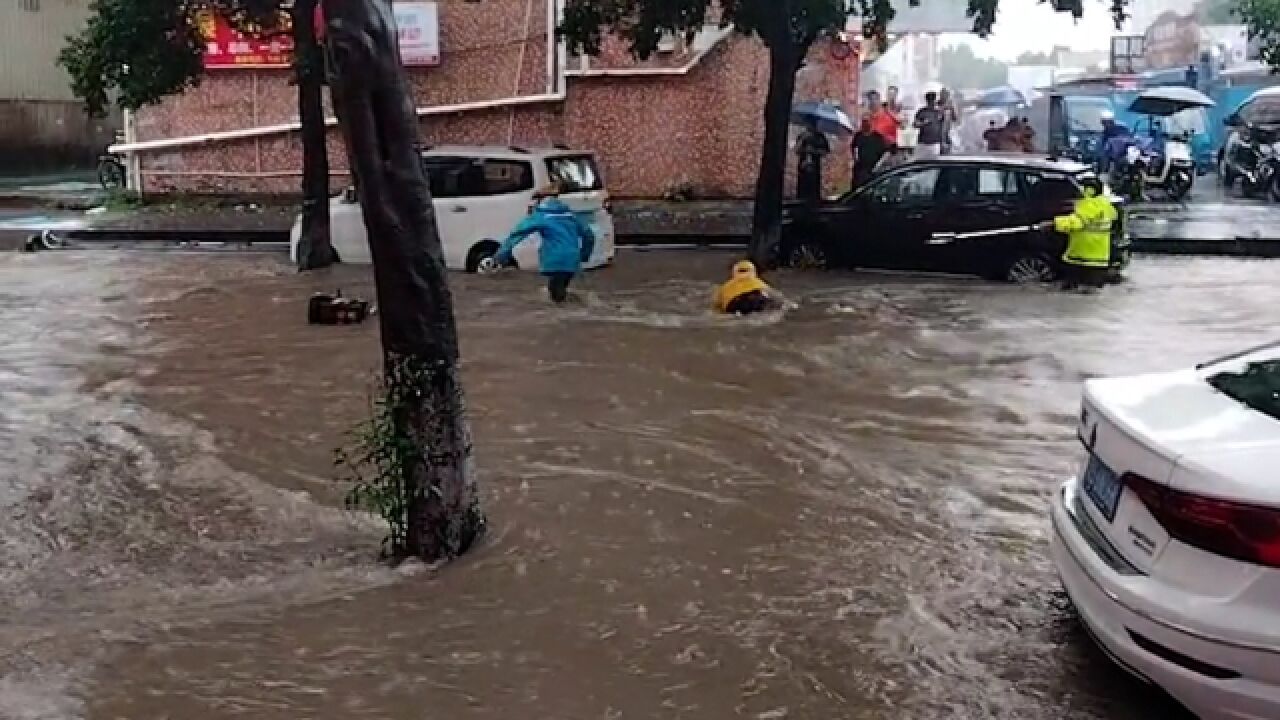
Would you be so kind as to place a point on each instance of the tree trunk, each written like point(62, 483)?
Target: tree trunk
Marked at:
point(419, 338)
point(766, 224)
point(315, 247)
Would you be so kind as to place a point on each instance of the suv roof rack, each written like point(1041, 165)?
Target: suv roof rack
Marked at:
point(517, 148)
point(561, 146)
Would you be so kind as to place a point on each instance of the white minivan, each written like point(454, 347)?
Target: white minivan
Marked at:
point(481, 193)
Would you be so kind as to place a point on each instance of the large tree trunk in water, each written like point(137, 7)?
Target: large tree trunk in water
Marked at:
point(766, 224)
point(315, 248)
point(419, 338)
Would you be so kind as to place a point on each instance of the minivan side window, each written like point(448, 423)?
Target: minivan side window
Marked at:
point(458, 177)
point(575, 173)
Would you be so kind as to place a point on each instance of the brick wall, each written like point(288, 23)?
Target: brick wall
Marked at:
point(649, 132)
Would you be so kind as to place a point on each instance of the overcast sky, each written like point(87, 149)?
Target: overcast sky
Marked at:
point(1027, 25)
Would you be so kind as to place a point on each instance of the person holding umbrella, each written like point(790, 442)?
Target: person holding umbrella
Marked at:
point(817, 120)
point(811, 148)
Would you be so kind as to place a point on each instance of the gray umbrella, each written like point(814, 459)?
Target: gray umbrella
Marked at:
point(1165, 101)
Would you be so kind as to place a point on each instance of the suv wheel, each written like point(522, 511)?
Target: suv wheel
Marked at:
point(1031, 268)
point(481, 258)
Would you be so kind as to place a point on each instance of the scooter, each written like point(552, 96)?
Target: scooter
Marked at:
point(1172, 171)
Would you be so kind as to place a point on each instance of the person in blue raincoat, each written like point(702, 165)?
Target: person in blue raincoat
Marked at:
point(567, 242)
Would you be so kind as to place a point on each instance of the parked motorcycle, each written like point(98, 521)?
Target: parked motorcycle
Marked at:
point(1166, 160)
point(1254, 157)
point(1128, 174)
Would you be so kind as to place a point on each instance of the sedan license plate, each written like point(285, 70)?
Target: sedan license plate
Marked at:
point(1103, 487)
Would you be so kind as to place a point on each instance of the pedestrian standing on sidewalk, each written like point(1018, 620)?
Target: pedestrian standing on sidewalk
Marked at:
point(950, 118)
point(885, 124)
point(930, 122)
point(868, 149)
point(811, 148)
point(567, 242)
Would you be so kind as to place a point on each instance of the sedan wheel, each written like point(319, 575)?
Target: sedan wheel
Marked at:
point(1030, 269)
point(806, 256)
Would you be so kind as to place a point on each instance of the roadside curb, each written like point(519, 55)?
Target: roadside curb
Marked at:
point(50, 201)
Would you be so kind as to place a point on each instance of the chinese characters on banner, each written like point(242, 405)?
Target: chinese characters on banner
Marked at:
point(225, 47)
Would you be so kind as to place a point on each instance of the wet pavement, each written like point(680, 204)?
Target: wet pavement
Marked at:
point(835, 512)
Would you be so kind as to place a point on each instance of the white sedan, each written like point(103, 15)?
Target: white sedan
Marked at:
point(1168, 542)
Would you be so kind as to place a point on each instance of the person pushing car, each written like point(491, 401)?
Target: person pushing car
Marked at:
point(567, 242)
point(1088, 230)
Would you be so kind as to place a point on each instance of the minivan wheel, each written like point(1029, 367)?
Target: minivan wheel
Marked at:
point(1031, 268)
point(481, 258)
point(807, 256)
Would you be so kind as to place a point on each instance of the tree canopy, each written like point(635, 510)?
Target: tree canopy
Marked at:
point(959, 67)
point(1263, 20)
point(140, 51)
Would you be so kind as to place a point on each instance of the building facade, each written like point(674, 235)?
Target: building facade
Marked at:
point(42, 125)
point(691, 115)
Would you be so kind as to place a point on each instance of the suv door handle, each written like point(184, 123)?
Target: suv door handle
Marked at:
point(459, 208)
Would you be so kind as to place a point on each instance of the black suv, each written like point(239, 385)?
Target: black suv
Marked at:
point(972, 215)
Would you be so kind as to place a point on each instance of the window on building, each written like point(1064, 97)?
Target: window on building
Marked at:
point(30, 5)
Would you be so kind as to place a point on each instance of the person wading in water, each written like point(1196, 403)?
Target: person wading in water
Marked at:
point(567, 242)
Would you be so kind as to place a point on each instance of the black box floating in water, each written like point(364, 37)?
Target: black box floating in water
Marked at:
point(324, 309)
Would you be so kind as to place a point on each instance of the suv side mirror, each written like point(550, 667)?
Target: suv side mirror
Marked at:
point(349, 195)
point(1232, 120)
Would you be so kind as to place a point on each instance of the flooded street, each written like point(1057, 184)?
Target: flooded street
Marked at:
point(838, 513)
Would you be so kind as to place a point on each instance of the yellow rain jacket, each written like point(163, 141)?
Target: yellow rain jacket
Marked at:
point(743, 280)
point(1088, 230)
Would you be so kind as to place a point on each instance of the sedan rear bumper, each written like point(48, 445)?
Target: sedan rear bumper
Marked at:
point(1203, 674)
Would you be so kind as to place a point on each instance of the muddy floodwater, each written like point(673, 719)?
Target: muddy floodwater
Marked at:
point(834, 513)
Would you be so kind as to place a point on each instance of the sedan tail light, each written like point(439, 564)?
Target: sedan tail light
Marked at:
point(1248, 533)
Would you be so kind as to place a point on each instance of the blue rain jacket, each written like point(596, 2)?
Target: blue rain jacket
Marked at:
point(567, 242)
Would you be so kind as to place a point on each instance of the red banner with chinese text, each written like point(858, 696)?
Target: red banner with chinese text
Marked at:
point(226, 47)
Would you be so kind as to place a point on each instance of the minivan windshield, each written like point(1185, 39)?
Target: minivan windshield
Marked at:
point(575, 173)
point(1253, 381)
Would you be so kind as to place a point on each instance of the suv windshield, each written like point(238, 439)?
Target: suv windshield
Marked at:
point(1256, 384)
point(575, 173)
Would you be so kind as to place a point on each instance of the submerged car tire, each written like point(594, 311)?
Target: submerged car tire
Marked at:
point(807, 256)
point(481, 258)
point(1031, 268)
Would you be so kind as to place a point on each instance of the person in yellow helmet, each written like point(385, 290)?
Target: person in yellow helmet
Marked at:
point(744, 292)
point(1088, 231)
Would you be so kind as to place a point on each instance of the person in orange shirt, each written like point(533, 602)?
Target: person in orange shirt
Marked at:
point(883, 121)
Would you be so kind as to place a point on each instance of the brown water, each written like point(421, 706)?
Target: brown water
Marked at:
point(835, 513)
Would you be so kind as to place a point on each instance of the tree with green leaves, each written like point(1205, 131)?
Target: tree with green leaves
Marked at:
point(960, 68)
point(141, 51)
point(787, 28)
point(1262, 17)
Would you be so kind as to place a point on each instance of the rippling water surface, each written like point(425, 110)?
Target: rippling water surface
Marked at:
point(834, 512)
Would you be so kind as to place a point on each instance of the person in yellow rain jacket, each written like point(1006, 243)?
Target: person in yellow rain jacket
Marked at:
point(1088, 231)
point(744, 292)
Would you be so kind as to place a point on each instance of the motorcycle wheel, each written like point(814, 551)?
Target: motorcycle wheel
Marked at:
point(1179, 184)
point(1225, 174)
